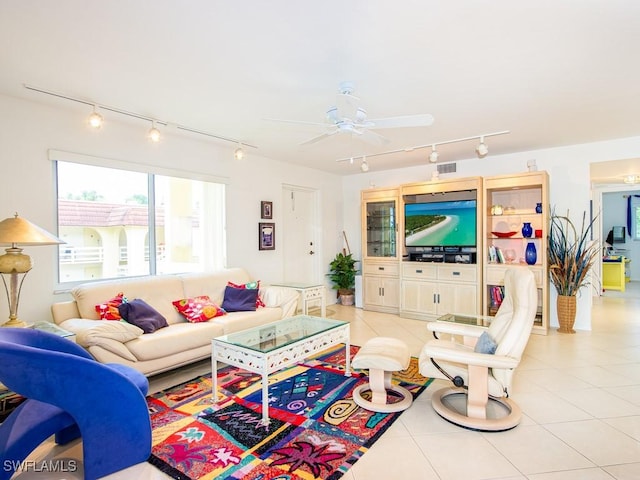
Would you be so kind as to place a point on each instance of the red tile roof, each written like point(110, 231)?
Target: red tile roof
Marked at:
point(78, 213)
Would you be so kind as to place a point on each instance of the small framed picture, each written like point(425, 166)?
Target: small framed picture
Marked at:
point(266, 210)
point(266, 236)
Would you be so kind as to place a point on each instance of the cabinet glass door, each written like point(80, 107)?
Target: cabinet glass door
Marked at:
point(381, 229)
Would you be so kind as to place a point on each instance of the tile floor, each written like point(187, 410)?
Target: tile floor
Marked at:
point(580, 395)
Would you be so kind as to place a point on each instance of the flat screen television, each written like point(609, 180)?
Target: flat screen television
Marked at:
point(450, 223)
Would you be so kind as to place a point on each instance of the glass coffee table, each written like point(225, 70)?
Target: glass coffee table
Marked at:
point(273, 346)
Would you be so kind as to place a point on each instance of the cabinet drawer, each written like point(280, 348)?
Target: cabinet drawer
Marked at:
point(419, 270)
point(495, 275)
point(456, 273)
point(390, 269)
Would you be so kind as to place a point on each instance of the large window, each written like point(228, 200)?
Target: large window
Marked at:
point(122, 223)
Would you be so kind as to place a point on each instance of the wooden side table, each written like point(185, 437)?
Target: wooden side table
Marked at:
point(309, 292)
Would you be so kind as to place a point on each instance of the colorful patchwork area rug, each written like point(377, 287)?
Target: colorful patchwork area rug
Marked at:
point(316, 430)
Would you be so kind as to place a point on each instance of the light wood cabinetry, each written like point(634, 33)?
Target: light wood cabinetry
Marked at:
point(430, 290)
point(380, 264)
point(468, 281)
point(510, 202)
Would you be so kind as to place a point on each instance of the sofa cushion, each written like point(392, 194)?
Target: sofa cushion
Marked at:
point(198, 309)
point(174, 339)
point(250, 286)
point(109, 310)
point(140, 313)
point(110, 335)
point(239, 299)
point(158, 291)
point(120, 331)
point(212, 283)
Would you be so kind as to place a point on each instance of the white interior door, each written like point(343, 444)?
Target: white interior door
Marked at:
point(301, 249)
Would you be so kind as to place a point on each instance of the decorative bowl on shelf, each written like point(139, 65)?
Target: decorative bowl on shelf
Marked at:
point(504, 234)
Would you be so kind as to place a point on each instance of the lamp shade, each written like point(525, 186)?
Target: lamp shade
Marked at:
point(18, 231)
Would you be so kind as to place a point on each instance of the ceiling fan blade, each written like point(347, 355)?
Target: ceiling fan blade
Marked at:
point(319, 137)
point(423, 120)
point(372, 137)
point(298, 122)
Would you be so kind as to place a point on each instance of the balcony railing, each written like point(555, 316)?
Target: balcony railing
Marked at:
point(74, 255)
point(77, 255)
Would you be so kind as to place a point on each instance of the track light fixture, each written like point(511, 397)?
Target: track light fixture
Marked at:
point(95, 120)
point(482, 149)
point(433, 156)
point(154, 133)
point(238, 154)
point(364, 166)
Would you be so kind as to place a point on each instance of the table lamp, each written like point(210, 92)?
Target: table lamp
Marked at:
point(14, 264)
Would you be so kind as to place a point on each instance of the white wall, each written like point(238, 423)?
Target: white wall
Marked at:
point(569, 179)
point(28, 130)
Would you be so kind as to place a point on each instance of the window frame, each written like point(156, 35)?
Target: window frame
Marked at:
point(151, 172)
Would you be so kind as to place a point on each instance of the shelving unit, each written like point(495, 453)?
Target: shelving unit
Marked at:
point(380, 266)
point(515, 198)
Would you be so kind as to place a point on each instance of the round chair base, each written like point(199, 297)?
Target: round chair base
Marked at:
point(398, 406)
point(498, 423)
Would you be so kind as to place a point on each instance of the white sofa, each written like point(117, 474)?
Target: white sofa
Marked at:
point(180, 343)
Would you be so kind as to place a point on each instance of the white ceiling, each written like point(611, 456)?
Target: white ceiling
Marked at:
point(552, 72)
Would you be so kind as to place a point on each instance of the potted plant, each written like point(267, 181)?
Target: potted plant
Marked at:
point(570, 254)
point(342, 272)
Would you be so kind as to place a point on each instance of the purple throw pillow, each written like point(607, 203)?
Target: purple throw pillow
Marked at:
point(239, 299)
point(141, 314)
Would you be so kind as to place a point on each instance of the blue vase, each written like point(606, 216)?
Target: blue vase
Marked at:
point(538, 208)
point(530, 254)
point(527, 231)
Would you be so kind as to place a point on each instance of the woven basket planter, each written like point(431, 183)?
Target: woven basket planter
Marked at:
point(566, 308)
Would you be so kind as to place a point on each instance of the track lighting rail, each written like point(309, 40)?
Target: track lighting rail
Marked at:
point(134, 115)
point(432, 145)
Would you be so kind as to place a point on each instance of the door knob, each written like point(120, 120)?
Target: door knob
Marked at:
point(311, 252)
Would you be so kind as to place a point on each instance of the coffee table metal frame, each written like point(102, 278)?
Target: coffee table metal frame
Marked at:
point(266, 361)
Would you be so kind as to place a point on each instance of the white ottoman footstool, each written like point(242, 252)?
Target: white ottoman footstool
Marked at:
point(382, 356)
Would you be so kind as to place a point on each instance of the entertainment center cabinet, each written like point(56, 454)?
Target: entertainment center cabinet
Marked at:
point(428, 248)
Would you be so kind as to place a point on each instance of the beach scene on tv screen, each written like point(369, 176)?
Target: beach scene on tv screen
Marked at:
point(440, 224)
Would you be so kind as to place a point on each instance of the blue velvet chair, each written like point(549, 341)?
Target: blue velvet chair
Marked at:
point(69, 394)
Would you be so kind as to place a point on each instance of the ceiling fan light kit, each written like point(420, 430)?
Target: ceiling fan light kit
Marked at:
point(348, 117)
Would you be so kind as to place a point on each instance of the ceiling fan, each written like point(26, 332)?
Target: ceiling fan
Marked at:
point(348, 117)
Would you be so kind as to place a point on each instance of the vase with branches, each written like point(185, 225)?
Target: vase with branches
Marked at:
point(571, 254)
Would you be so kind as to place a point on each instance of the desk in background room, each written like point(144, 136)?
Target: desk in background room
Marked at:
point(613, 273)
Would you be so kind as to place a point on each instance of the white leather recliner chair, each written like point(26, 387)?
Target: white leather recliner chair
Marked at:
point(483, 378)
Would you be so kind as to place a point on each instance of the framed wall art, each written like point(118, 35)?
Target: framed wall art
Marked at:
point(266, 210)
point(266, 236)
